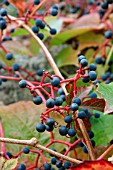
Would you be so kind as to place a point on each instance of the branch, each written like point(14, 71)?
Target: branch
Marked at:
point(87, 139)
point(106, 152)
point(34, 142)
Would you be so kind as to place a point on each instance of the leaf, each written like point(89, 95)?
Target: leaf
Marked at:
point(94, 165)
point(20, 5)
point(83, 91)
point(2, 160)
point(94, 104)
point(67, 56)
point(10, 164)
point(102, 128)
point(34, 47)
point(17, 48)
point(106, 92)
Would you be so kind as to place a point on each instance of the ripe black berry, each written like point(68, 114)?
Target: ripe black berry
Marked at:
point(38, 22)
point(53, 161)
point(22, 84)
point(3, 24)
point(67, 165)
point(92, 75)
point(9, 56)
point(93, 143)
point(35, 29)
point(84, 149)
point(36, 2)
point(40, 127)
point(84, 62)
point(9, 155)
point(63, 97)
point(37, 100)
point(21, 167)
point(104, 5)
point(90, 133)
point(77, 101)
point(15, 67)
point(47, 166)
point(50, 103)
point(50, 122)
point(58, 101)
point(49, 128)
point(6, 2)
point(97, 115)
point(39, 72)
point(98, 60)
point(68, 119)
point(41, 36)
point(55, 81)
point(63, 130)
point(71, 132)
point(81, 115)
point(93, 95)
point(74, 107)
point(92, 67)
point(26, 150)
point(60, 91)
point(3, 12)
point(108, 34)
point(81, 57)
point(54, 12)
point(53, 31)
point(58, 164)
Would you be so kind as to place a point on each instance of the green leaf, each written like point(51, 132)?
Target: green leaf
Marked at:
point(34, 47)
point(20, 32)
point(10, 164)
point(106, 92)
point(102, 128)
point(66, 35)
point(67, 56)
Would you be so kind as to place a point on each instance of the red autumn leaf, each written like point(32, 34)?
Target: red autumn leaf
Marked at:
point(94, 165)
point(94, 104)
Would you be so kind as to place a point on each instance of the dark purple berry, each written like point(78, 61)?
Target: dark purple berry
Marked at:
point(40, 127)
point(63, 130)
point(22, 83)
point(71, 132)
point(37, 100)
point(55, 81)
point(50, 103)
point(26, 150)
point(68, 119)
point(9, 56)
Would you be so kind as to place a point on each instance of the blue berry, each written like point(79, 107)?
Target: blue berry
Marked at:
point(58, 101)
point(63, 97)
point(104, 5)
point(63, 130)
point(108, 34)
point(81, 57)
point(3, 12)
point(22, 84)
point(3, 24)
point(60, 91)
point(67, 165)
point(6, 2)
point(50, 122)
point(47, 166)
point(26, 150)
point(36, 2)
point(74, 107)
point(39, 72)
point(9, 155)
point(97, 115)
point(55, 81)
point(9, 56)
point(41, 36)
point(71, 132)
point(104, 77)
point(54, 12)
point(38, 22)
point(12, 30)
point(68, 119)
point(85, 79)
point(50, 103)
point(35, 29)
point(15, 67)
point(21, 167)
point(81, 115)
point(90, 133)
point(92, 67)
point(93, 95)
point(77, 101)
point(84, 149)
point(92, 75)
point(58, 164)
point(53, 31)
point(53, 161)
point(55, 7)
point(93, 143)
point(84, 62)
point(80, 144)
point(98, 60)
point(40, 127)
point(49, 128)
point(37, 100)
point(42, 26)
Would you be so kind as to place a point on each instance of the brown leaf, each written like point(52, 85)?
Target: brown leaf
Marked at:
point(19, 4)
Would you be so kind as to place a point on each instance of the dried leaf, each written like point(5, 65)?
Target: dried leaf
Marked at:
point(2, 160)
point(20, 5)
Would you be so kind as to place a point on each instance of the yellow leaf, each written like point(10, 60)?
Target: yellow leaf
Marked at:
point(2, 160)
point(10, 164)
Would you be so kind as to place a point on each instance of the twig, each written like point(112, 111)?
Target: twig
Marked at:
point(87, 139)
point(34, 142)
point(105, 153)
